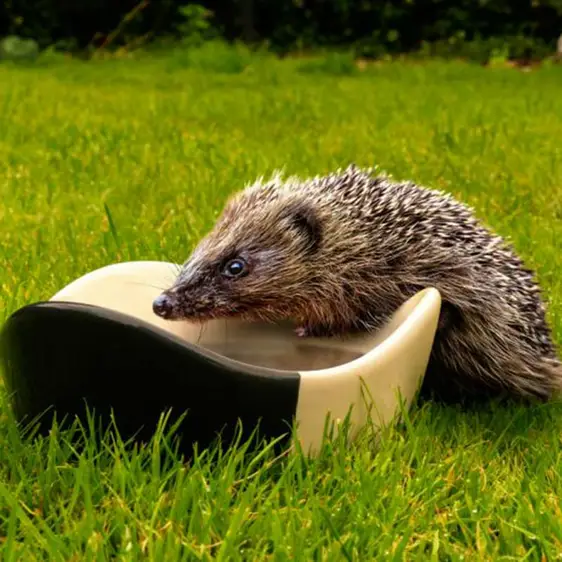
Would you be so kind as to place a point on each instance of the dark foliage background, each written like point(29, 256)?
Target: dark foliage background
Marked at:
point(370, 27)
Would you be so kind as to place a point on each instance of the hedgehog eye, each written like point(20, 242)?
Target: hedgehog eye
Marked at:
point(235, 268)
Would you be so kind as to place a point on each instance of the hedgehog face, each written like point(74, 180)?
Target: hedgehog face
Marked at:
point(247, 269)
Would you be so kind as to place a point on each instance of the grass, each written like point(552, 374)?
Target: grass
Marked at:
point(159, 143)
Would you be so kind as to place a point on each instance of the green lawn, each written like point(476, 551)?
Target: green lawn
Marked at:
point(162, 142)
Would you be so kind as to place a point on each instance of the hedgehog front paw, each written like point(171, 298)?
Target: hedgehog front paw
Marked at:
point(302, 332)
point(312, 332)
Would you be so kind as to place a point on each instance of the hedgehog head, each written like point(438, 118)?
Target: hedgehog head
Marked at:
point(258, 262)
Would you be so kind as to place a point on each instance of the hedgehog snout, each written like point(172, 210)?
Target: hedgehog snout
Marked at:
point(181, 303)
point(164, 305)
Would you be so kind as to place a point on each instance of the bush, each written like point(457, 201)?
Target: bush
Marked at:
point(490, 49)
point(14, 48)
point(475, 28)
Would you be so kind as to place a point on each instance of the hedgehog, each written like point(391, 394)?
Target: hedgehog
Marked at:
point(337, 254)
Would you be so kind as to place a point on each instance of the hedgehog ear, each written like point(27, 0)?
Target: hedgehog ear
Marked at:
point(303, 218)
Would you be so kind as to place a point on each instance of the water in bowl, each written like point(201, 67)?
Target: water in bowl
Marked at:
point(294, 358)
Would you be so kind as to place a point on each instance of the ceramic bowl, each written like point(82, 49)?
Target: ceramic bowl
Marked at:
point(97, 345)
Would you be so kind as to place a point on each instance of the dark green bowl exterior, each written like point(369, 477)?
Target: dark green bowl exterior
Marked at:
point(66, 358)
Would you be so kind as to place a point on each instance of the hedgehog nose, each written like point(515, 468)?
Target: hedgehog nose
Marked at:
point(163, 305)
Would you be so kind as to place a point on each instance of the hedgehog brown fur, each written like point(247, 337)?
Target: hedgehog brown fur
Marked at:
point(340, 253)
